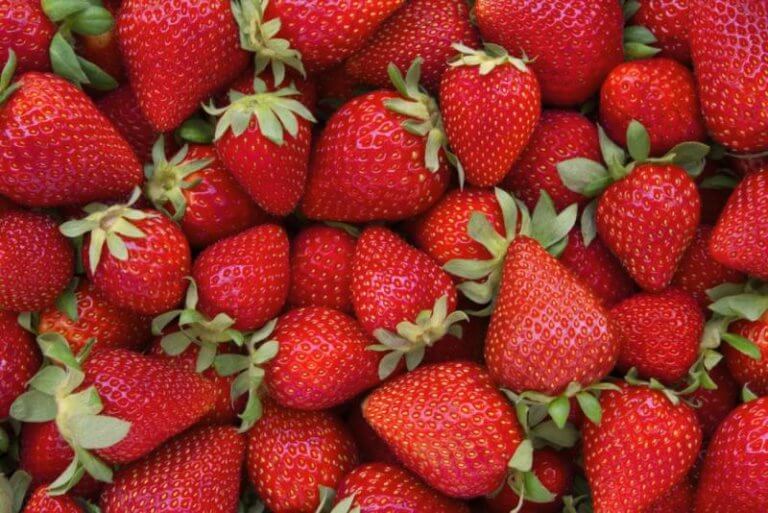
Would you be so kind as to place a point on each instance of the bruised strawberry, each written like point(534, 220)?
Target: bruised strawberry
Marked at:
point(668, 22)
point(19, 361)
point(25, 29)
point(122, 108)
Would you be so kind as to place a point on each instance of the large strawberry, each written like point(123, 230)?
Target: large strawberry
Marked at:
point(198, 471)
point(573, 52)
point(490, 103)
point(122, 109)
point(25, 29)
point(47, 158)
point(462, 454)
point(19, 361)
point(728, 41)
point(175, 67)
point(668, 21)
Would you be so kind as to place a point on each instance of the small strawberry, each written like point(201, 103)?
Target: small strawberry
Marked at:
point(198, 472)
point(490, 103)
point(678, 499)
point(667, 20)
point(25, 29)
point(462, 454)
point(713, 405)
point(19, 361)
point(40, 502)
point(122, 108)
point(36, 261)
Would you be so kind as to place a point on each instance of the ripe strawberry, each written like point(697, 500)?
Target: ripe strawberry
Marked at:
point(421, 28)
point(712, 406)
point(40, 502)
point(642, 433)
point(373, 162)
point(668, 22)
point(728, 39)
point(591, 32)
point(25, 29)
point(173, 69)
point(490, 103)
point(746, 369)
point(36, 261)
point(196, 190)
point(678, 499)
point(733, 478)
point(19, 361)
point(559, 135)
point(463, 454)
point(245, 276)
point(198, 471)
point(291, 453)
point(122, 108)
point(388, 488)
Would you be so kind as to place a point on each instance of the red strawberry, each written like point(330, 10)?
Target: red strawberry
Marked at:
point(746, 369)
point(245, 276)
point(291, 453)
point(678, 499)
point(173, 68)
point(19, 361)
point(36, 261)
point(591, 32)
point(122, 108)
point(461, 454)
point(728, 39)
point(322, 360)
point(197, 190)
point(421, 28)
point(490, 103)
point(733, 478)
point(40, 502)
point(712, 406)
point(559, 135)
point(198, 472)
point(25, 29)
point(668, 22)
point(641, 433)
point(378, 487)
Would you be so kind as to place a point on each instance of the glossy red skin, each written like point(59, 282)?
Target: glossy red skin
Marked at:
point(366, 167)
point(555, 472)
point(744, 369)
point(245, 276)
point(151, 281)
point(382, 488)
point(25, 29)
point(40, 502)
point(678, 499)
point(44, 161)
point(104, 49)
point(292, 452)
point(422, 28)
point(575, 44)
point(321, 268)
point(327, 32)
point(668, 22)
point(489, 118)
point(171, 72)
point(698, 272)
point(641, 433)
point(660, 334)
point(197, 472)
point(122, 109)
point(393, 281)
point(547, 329)
point(728, 40)
point(19, 360)
point(36, 261)
point(648, 219)
point(740, 239)
point(712, 406)
point(371, 447)
point(559, 135)
point(463, 453)
point(733, 478)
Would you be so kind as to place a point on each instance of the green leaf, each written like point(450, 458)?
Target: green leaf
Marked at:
point(638, 141)
point(743, 345)
point(522, 459)
point(98, 431)
point(590, 406)
point(92, 21)
point(559, 409)
point(584, 176)
point(34, 406)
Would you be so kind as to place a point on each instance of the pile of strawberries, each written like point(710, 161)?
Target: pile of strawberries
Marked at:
point(384, 256)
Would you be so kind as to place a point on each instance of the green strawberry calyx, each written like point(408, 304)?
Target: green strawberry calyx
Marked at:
point(487, 59)
point(259, 36)
point(413, 338)
point(545, 225)
point(250, 373)
point(13, 490)
point(7, 87)
point(275, 112)
point(55, 394)
point(637, 38)
point(108, 225)
point(522, 480)
point(166, 179)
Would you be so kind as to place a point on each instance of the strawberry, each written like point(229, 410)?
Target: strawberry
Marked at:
point(712, 406)
point(379, 157)
point(194, 188)
point(591, 32)
point(421, 28)
point(486, 128)
point(378, 487)
point(146, 257)
point(173, 70)
point(667, 20)
point(559, 135)
point(292, 453)
point(40, 502)
point(322, 360)
point(463, 454)
point(25, 29)
point(245, 276)
point(122, 108)
point(36, 262)
point(733, 476)
point(19, 361)
point(198, 471)
point(48, 159)
point(642, 433)
point(659, 333)
point(678, 499)
point(728, 38)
